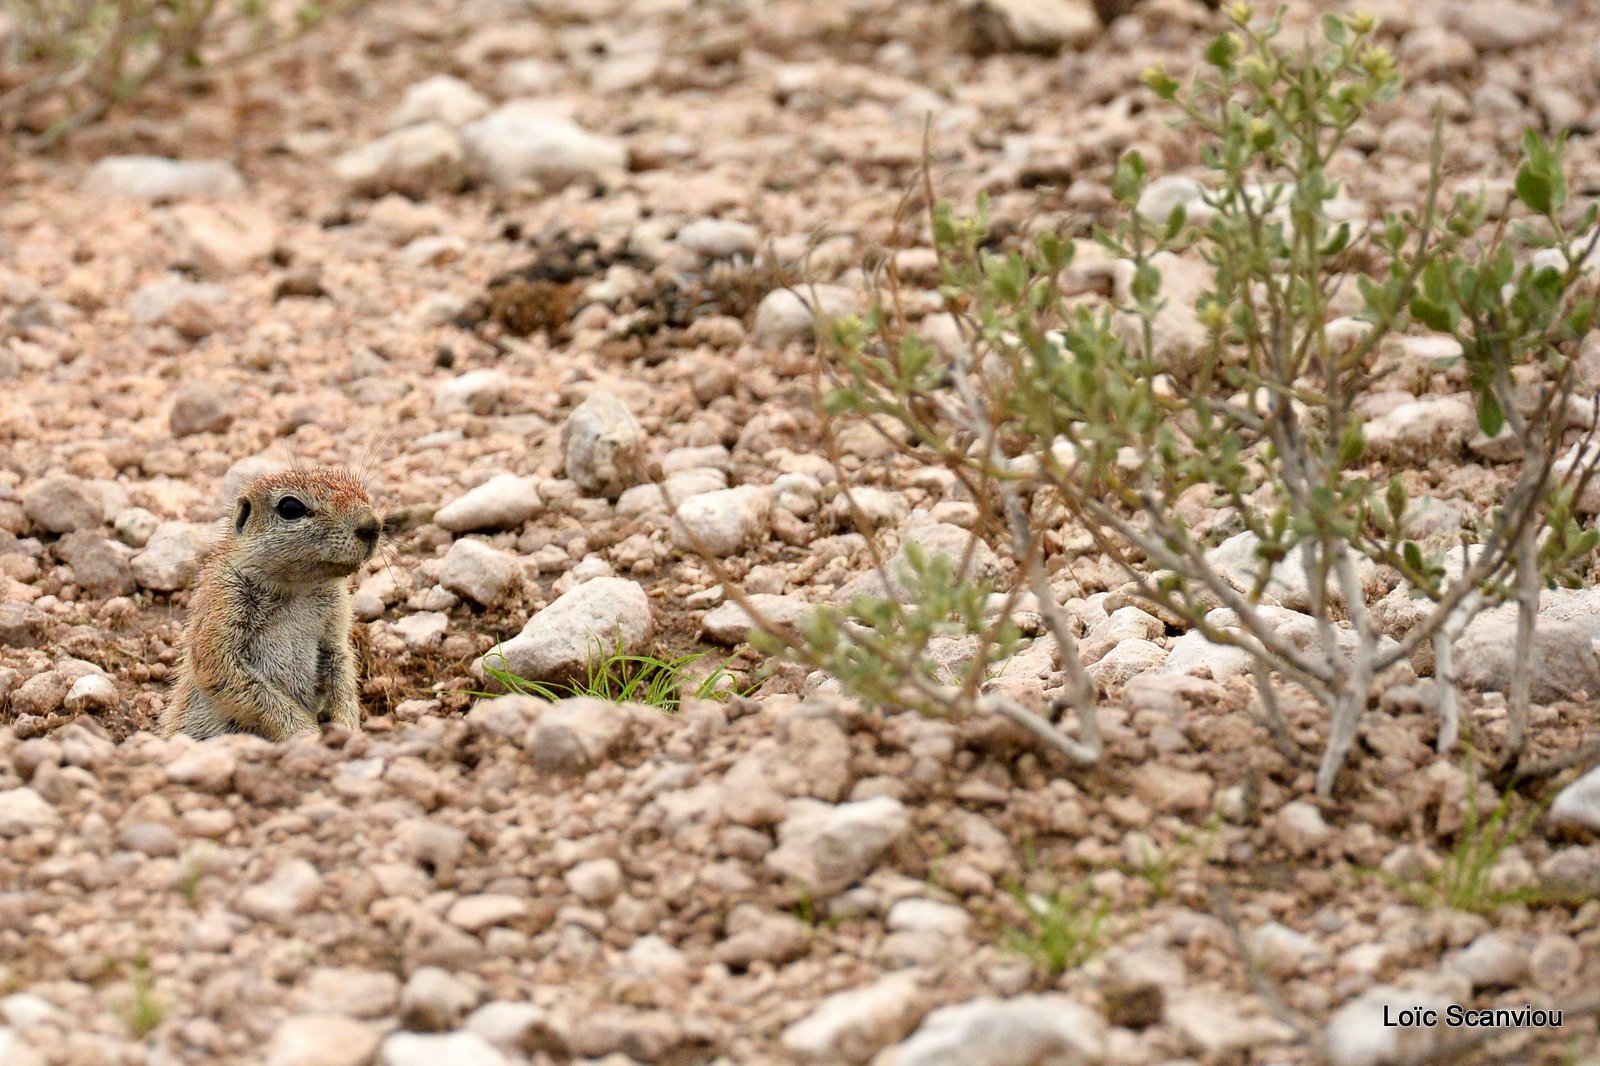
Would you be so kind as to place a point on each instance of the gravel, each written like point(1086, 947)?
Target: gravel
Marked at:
point(433, 245)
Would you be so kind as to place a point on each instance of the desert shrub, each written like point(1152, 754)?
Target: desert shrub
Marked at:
point(66, 63)
point(1061, 411)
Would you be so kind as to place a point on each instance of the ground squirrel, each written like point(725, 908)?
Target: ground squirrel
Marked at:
point(267, 648)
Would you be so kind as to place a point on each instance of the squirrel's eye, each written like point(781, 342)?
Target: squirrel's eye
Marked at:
point(289, 507)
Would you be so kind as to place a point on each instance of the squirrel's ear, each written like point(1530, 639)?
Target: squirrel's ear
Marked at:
point(242, 515)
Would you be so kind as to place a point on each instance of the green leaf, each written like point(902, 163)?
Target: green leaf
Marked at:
point(1160, 82)
point(1127, 182)
point(1535, 189)
point(1223, 50)
point(1396, 499)
point(842, 401)
point(1432, 315)
point(1338, 241)
point(1333, 29)
point(1490, 417)
point(1176, 221)
point(1352, 443)
point(1146, 282)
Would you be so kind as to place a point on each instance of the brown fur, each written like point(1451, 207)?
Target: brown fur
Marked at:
point(267, 649)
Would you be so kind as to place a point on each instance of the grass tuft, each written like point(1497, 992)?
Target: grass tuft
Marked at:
point(1464, 879)
point(1063, 931)
point(143, 1013)
point(620, 677)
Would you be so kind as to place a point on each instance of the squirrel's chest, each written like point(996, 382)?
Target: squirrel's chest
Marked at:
point(288, 648)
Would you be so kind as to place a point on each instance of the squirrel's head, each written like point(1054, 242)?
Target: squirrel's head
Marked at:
point(304, 524)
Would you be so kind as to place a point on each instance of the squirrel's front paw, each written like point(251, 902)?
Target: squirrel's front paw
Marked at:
point(348, 715)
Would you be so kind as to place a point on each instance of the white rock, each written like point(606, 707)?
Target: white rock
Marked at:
point(1283, 951)
point(476, 391)
point(322, 1040)
point(208, 767)
point(851, 1026)
point(1022, 1031)
point(731, 624)
point(531, 77)
point(1030, 25)
point(1218, 1034)
point(440, 98)
point(1300, 827)
point(1579, 803)
point(1236, 560)
point(723, 523)
point(134, 526)
point(521, 1028)
point(433, 251)
point(223, 239)
point(591, 620)
point(874, 506)
point(171, 558)
point(786, 316)
point(174, 301)
point(596, 881)
point(937, 540)
point(1421, 430)
point(649, 499)
point(474, 913)
point(525, 140)
point(22, 810)
point(507, 717)
point(1167, 193)
point(143, 177)
point(1124, 623)
point(1493, 960)
point(354, 992)
point(91, 693)
point(421, 629)
point(14, 1051)
point(478, 572)
point(505, 501)
point(200, 408)
point(1199, 657)
point(1356, 1034)
point(603, 447)
point(1577, 463)
point(799, 494)
point(1127, 660)
point(717, 238)
point(1554, 960)
point(1563, 664)
point(651, 956)
point(826, 848)
point(1181, 340)
point(434, 1000)
point(452, 1049)
point(576, 734)
point(1500, 25)
point(24, 1009)
point(62, 504)
point(415, 160)
point(917, 915)
point(286, 894)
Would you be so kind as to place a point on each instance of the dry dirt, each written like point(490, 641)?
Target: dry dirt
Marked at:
point(164, 902)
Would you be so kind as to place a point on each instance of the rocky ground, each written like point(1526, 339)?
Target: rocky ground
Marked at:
point(515, 262)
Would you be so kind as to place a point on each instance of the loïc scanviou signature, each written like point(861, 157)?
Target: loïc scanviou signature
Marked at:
point(1456, 1016)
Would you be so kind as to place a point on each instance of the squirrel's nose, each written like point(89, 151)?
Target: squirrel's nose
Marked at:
point(368, 529)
